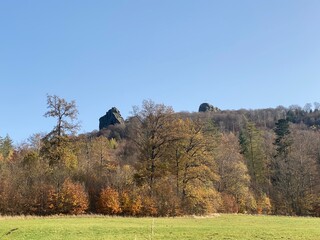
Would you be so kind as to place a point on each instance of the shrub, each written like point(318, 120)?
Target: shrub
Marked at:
point(73, 199)
point(108, 202)
point(201, 201)
point(131, 204)
point(229, 204)
point(44, 201)
point(167, 199)
point(149, 207)
point(264, 205)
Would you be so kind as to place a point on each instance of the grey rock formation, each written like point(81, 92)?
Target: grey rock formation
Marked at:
point(112, 117)
point(206, 107)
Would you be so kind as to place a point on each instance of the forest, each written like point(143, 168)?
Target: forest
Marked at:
point(166, 163)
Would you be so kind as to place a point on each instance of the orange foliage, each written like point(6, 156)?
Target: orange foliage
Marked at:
point(73, 199)
point(264, 205)
point(149, 207)
point(45, 200)
point(136, 206)
point(229, 204)
point(130, 205)
point(109, 202)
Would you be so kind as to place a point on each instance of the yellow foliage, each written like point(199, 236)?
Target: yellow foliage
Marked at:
point(264, 205)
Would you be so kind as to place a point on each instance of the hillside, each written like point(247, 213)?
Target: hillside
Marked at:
point(162, 163)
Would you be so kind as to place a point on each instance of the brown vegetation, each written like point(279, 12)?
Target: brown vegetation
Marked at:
point(167, 164)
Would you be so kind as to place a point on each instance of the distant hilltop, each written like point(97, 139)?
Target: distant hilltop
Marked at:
point(113, 115)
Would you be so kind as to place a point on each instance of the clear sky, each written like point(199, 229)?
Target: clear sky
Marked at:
point(231, 53)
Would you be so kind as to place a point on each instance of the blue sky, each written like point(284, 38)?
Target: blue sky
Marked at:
point(233, 54)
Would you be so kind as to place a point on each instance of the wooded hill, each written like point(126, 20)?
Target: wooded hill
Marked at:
point(162, 163)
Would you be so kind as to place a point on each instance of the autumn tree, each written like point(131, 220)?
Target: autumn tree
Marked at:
point(234, 182)
point(97, 165)
point(57, 145)
point(101, 156)
point(130, 203)
point(297, 188)
point(58, 149)
point(306, 177)
point(151, 131)
point(193, 166)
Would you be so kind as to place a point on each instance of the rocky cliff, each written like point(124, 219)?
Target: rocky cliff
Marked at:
point(206, 107)
point(112, 117)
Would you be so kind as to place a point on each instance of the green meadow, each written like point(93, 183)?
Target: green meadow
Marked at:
point(215, 227)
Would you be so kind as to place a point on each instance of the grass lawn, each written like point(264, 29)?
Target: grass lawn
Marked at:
point(219, 227)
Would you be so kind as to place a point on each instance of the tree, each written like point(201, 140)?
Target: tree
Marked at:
point(307, 107)
point(131, 203)
point(58, 149)
point(57, 146)
point(193, 166)
point(316, 106)
point(281, 169)
point(296, 188)
point(282, 141)
point(251, 144)
point(62, 110)
point(234, 182)
point(35, 141)
point(303, 172)
point(152, 132)
point(60, 152)
point(6, 148)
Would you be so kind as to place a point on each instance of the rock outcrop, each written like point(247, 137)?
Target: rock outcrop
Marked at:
point(206, 107)
point(112, 117)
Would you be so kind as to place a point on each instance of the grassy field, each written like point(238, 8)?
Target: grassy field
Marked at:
point(219, 227)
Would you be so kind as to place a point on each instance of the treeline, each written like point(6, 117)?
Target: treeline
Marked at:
point(162, 163)
point(234, 120)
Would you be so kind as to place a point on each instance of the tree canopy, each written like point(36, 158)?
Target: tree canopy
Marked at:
point(163, 163)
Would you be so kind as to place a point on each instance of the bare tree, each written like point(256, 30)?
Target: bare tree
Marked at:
point(307, 107)
point(316, 106)
point(62, 110)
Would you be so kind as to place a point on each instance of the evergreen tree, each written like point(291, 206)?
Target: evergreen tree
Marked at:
point(282, 176)
point(6, 148)
point(282, 141)
point(251, 146)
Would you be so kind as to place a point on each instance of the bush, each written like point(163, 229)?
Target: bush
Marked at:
point(229, 204)
point(201, 201)
point(149, 207)
point(44, 201)
point(131, 205)
point(167, 199)
point(109, 202)
point(73, 199)
point(264, 205)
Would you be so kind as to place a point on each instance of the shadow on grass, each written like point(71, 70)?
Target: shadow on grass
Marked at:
point(9, 232)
